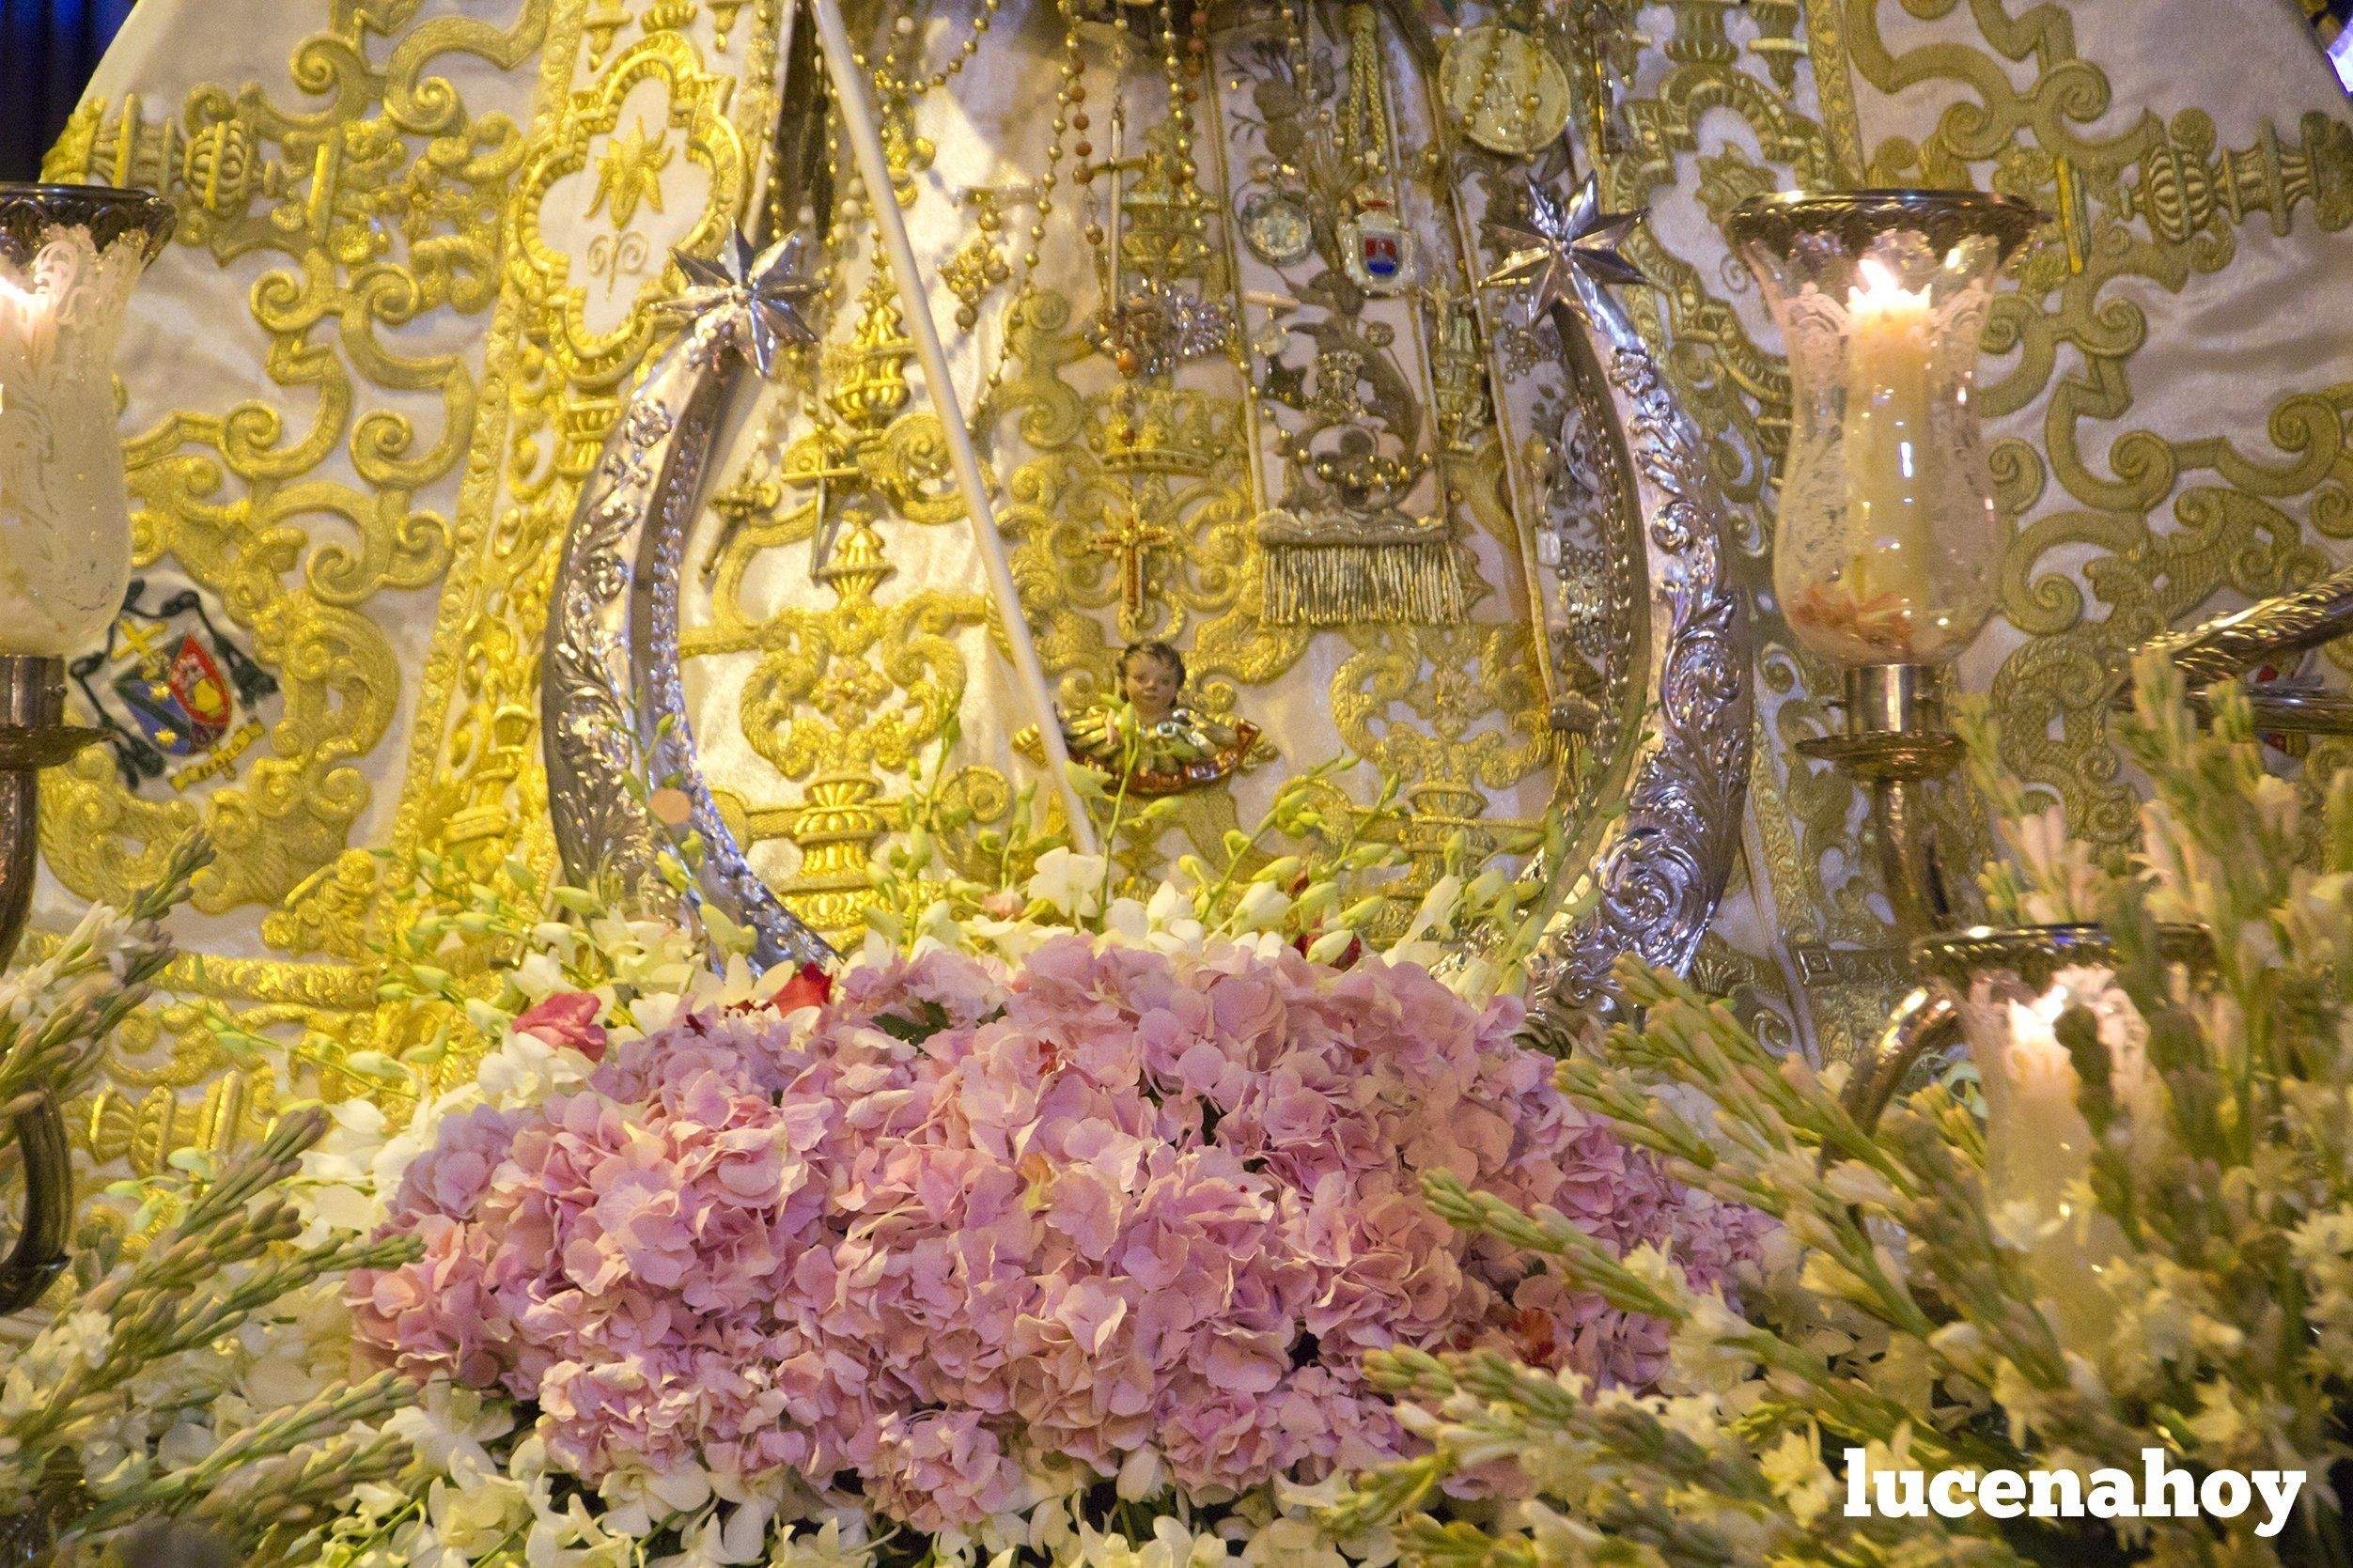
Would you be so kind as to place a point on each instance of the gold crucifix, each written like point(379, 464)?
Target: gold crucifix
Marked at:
point(1131, 538)
point(143, 640)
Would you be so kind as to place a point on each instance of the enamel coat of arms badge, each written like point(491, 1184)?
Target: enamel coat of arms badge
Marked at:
point(179, 700)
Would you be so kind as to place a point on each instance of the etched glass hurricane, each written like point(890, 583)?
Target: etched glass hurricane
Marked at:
point(1890, 535)
point(69, 256)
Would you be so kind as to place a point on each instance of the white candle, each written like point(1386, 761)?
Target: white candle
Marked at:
point(1889, 394)
point(2038, 1157)
point(2045, 1140)
point(65, 526)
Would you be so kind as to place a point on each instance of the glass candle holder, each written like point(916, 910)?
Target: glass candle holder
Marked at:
point(2011, 987)
point(1889, 538)
point(69, 256)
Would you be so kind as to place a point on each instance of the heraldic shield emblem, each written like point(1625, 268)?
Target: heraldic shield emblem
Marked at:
point(1376, 252)
point(179, 700)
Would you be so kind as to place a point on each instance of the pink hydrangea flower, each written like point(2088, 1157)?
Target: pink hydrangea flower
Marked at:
point(953, 1219)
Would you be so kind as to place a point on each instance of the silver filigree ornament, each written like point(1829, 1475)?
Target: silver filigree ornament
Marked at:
point(751, 302)
point(625, 780)
point(1163, 326)
point(1563, 253)
point(1642, 880)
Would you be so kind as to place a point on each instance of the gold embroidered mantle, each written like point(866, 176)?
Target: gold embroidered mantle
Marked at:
point(415, 255)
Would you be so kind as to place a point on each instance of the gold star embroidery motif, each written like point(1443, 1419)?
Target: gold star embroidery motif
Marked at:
point(630, 173)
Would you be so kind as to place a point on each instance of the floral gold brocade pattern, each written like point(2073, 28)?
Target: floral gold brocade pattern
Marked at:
point(2128, 529)
point(2172, 519)
point(1728, 103)
point(376, 207)
point(382, 206)
point(1134, 507)
point(395, 210)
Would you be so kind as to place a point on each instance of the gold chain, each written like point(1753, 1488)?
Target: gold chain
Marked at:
point(894, 88)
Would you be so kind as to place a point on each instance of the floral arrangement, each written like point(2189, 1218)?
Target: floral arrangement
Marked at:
point(1057, 1230)
point(2187, 1289)
point(158, 1391)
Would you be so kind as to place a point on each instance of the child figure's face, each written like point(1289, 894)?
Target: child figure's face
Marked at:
point(1150, 684)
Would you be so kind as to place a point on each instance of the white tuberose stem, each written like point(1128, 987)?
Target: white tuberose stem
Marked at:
point(865, 141)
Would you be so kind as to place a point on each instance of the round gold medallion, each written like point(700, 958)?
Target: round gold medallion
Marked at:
point(1506, 90)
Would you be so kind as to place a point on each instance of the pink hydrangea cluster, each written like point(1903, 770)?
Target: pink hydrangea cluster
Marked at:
point(955, 1220)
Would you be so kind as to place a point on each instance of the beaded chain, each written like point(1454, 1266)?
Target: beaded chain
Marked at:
point(899, 88)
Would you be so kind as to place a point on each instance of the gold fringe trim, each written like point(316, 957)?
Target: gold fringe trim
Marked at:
point(1351, 585)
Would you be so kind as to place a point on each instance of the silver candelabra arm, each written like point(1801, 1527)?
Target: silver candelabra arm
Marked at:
point(2273, 629)
point(1895, 745)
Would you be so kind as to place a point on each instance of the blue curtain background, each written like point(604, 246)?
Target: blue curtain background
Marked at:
point(48, 48)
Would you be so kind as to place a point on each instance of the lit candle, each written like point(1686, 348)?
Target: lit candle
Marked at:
point(2038, 1157)
point(2044, 1137)
point(1889, 391)
point(65, 526)
point(1888, 540)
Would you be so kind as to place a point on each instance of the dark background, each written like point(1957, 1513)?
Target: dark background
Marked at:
point(48, 48)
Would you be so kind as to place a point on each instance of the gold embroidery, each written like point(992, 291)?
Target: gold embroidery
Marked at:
point(561, 349)
point(391, 203)
point(630, 172)
point(1131, 512)
point(383, 195)
point(386, 200)
point(843, 691)
point(859, 688)
point(2158, 202)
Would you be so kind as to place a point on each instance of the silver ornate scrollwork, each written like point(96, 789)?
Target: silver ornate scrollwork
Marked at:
point(1644, 880)
point(612, 706)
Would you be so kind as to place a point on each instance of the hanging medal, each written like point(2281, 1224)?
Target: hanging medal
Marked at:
point(1278, 228)
point(1509, 93)
point(1376, 250)
point(1380, 254)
